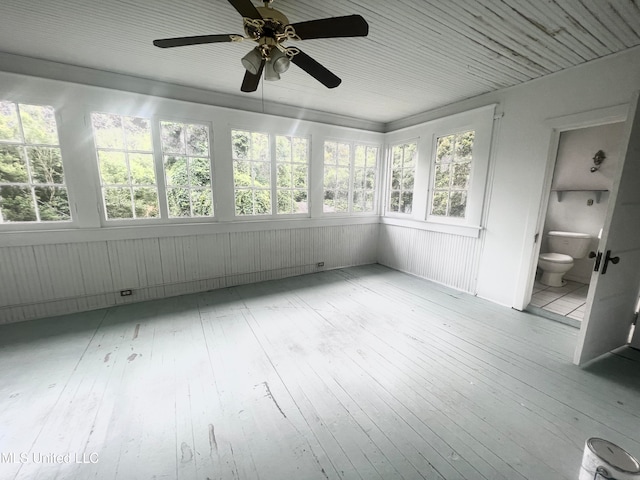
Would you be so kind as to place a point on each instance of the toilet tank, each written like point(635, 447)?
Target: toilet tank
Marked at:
point(574, 244)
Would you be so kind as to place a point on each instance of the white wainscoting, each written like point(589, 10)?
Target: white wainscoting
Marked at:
point(45, 280)
point(440, 257)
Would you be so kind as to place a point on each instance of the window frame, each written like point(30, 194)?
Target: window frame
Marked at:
point(73, 221)
point(271, 134)
point(353, 144)
point(160, 170)
point(389, 179)
point(479, 120)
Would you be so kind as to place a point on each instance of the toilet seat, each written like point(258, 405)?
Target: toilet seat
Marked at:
point(556, 257)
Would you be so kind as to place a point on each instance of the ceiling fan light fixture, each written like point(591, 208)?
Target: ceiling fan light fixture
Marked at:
point(280, 61)
point(270, 73)
point(252, 61)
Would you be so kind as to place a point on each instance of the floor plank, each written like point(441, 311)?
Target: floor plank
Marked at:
point(359, 373)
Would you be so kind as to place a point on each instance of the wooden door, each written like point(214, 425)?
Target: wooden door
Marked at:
point(610, 308)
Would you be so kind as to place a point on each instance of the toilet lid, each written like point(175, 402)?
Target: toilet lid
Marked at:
point(556, 257)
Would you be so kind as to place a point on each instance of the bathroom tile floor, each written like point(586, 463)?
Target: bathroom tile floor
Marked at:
point(567, 301)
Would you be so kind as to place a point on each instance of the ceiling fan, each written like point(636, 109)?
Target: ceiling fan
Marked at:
point(269, 28)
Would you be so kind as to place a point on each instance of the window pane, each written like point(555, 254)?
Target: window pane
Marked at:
point(240, 144)
point(343, 178)
point(53, 203)
point(260, 147)
point(443, 179)
point(118, 202)
point(146, 202)
point(284, 176)
point(410, 152)
point(330, 177)
point(46, 165)
point(444, 153)
point(358, 178)
point(330, 153)
point(244, 201)
point(176, 171)
point(138, 133)
point(358, 199)
point(39, 124)
point(200, 172)
point(369, 202)
point(360, 156)
point(172, 136)
point(9, 126)
point(17, 204)
point(198, 140)
point(327, 204)
point(142, 169)
point(394, 204)
point(107, 130)
point(285, 201)
point(301, 205)
point(113, 167)
point(261, 172)
point(461, 174)
point(344, 154)
point(300, 173)
point(262, 202)
point(370, 178)
point(372, 157)
point(406, 204)
point(458, 204)
point(342, 201)
point(407, 179)
point(178, 201)
point(202, 202)
point(300, 150)
point(241, 174)
point(13, 168)
point(283, 149)
point(440, 203)
point(464, 145)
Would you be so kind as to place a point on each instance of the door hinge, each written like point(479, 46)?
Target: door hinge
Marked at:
point(535, 238)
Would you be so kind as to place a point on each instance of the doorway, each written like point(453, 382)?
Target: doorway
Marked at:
point(586, 161)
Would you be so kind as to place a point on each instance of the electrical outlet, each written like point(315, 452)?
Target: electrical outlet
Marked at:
point(126, 293)
point(320, 264)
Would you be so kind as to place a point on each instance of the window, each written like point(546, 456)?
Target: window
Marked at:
point(403, 170)
point(187, 169)
point(32, 187)
point(292, 163)
point(364, 178)
point(349, 177)
point(452, 174)
point(251, 172)
point(125, 157)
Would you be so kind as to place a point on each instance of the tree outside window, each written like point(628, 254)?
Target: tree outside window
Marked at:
point(32, 186)
point(125, 156)
point(452, 173)
point(403, 171)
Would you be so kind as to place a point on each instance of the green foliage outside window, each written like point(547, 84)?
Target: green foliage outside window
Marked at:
point(31, 173)
point(251, 172)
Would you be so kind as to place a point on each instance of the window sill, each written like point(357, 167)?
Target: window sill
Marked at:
point(138, 231)
point(461, 230)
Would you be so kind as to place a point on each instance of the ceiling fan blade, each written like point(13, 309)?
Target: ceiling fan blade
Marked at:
point(183, 41)
point(251, 81)
point(349, 26)
point(316, 70)
point(245, 8)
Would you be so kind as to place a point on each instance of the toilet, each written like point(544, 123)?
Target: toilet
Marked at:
point(564, 248)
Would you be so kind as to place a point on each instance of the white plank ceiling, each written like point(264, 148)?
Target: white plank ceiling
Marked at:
point(419, 55)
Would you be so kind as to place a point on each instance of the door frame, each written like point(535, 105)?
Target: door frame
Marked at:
point(558, 125)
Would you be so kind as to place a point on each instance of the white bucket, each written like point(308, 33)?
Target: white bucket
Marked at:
point(613, 461)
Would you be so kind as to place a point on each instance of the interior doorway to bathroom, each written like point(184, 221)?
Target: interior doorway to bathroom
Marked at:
point(587, 159)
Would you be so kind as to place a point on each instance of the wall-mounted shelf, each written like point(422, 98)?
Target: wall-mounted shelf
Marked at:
point(597, 193)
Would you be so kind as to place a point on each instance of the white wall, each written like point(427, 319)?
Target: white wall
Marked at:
point(520, 159)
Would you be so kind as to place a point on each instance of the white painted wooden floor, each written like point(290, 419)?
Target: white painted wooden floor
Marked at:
point(362, 373)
